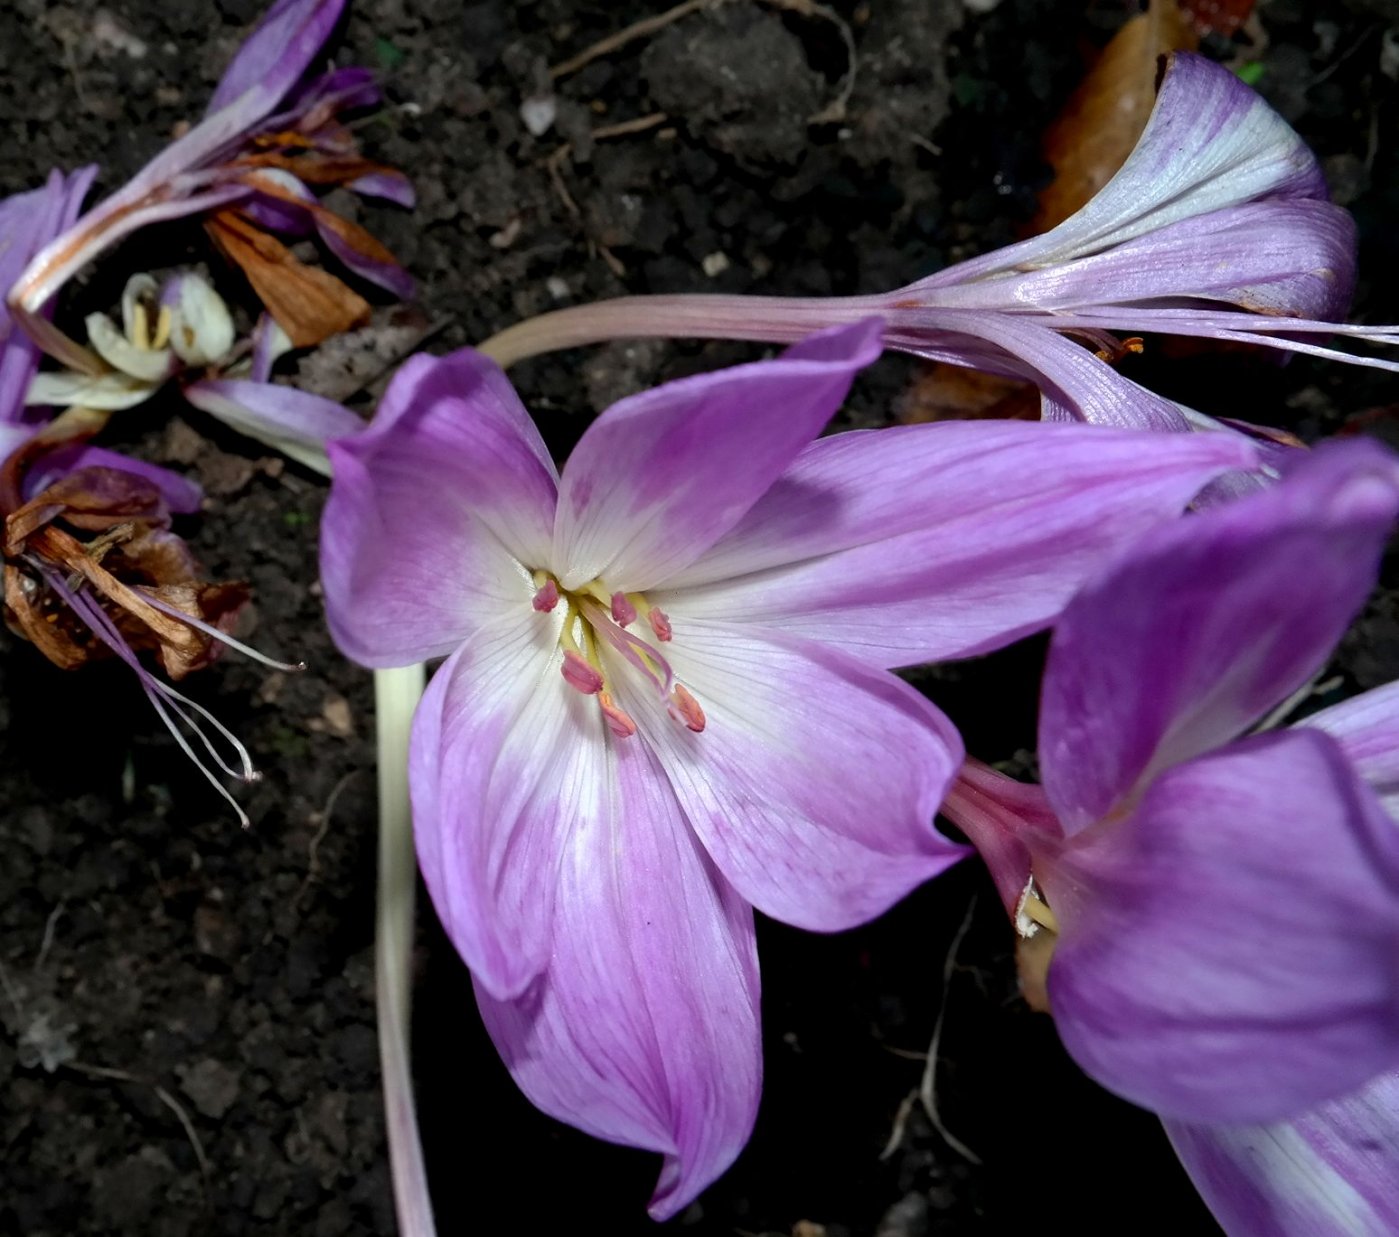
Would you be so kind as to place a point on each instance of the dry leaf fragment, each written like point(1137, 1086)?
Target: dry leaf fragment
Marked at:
point(952, 393)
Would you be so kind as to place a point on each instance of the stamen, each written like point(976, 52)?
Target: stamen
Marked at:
point(579, 675)
point(547, 597)
point(140, 326)
point(623, 612)
point(660, 623)
point(685, 708)
point(164, 321)
point(617, 720)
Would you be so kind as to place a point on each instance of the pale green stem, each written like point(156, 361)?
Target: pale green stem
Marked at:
point(396, 695)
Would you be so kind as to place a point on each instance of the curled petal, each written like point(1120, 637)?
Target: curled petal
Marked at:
point(644, 1029)
point(816, 779)
point(1367, 728)
point(296, 423)
point(661, 476)
point(1207, 628)
point(1227, 951)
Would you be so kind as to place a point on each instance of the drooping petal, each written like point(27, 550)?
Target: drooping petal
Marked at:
point(1227, 951)
point(362, 253)
point(1210, 143)
point(928, 542)
point(433, 510)
point(816, 779)
point(504, 767)
point(278, 51)
point(1329, 1171)
point(662, 475)
point(388, 184)
point(179, 493)
point(1206, 624)
point(296, 423)
point(644, 1030)
point(1367, 728)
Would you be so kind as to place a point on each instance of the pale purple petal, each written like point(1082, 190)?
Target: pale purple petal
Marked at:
point(507, 761)
point(1208, 623)
point(294, 422)
point(1367, 728)
point(386, 272)
point(1228, 951)
point(816, 779)
point(1331, 1170)
point(644, 1030)
point(435, 512)
point(180, 494)
point(388, 184)
point(274, 56)
point(974, 534)
point(661, 476)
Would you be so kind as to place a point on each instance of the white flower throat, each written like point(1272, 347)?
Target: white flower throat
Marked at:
point(594, 612)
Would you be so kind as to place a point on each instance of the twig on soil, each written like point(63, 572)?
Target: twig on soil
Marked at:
point(164, 1096)
point(927, 1091)
point(637, 30)
point(50, 927)
point(323, 818)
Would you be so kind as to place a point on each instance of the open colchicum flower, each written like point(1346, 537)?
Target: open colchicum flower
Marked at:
point(1218, 916)
point(265, 137)
point(667, 697)
point(1217, 226)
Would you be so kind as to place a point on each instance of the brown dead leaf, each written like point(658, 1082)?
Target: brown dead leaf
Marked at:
point(1092, 137)
point(309, 304)
point(951, 393)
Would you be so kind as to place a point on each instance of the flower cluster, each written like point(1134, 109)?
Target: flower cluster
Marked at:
point(670, 694)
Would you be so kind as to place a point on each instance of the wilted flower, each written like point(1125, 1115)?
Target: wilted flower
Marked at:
point(1218, 916)
point(667, 697)
point(1218, 226)
point(247, 167)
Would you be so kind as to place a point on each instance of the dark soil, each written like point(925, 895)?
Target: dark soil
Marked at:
point(156, 956)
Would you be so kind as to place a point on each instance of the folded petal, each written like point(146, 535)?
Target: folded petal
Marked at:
point(110, 392)
point(180, 494)
point(1367, 728)
point(278, 51)
point(816, 779)
point(644, 1030)
point(296, 423)
point(662, 475)
point(506, 763)
point(1329, 1171)
point(976, 534)
point(1202, 627)
point(1227, 952)
point(432, 511)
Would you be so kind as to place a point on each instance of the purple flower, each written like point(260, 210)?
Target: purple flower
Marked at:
point(1219, 915)
point(247, 165)
point(1331, 1169)
point(1218, 226)
point(667, 699)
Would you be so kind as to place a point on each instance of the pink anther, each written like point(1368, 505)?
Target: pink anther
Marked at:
point(617, 720)
point(579, 674)
point(623, 612)
point(660, 624)
point(685, 708)
point(547, 597)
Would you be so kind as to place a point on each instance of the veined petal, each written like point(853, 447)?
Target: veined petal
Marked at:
point(1202, 627)
point(506, 763)
point(435, 512)
point(278, 51)
point(973, 535)
point(644, 1030)
point(816, 779)
point(662, 475)
point(1210, 143)
point(1329, 1171)
point(296, 423)
point(1227, 952)
point(1367, 728)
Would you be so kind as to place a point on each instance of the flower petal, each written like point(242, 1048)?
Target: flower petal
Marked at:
point(816, 779)
point(1330, 1170)
point(1367, 728)
point(432, 511)
point(922, 543)
point(296, 423)
point(180, 494)
point(278, 51)
point(202, 329)
point(111, 392)
point(1202, 627)
point(1227, 952)
point(661, 476)
point(645, 1028)
point(506, 763)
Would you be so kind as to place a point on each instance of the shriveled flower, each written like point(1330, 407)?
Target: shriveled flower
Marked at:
point(667, 698)
point(265, 137)
point(1218, 916)
point(1332, 1168)
point(1218, 226)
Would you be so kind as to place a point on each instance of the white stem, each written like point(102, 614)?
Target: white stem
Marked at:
point(396, 695)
